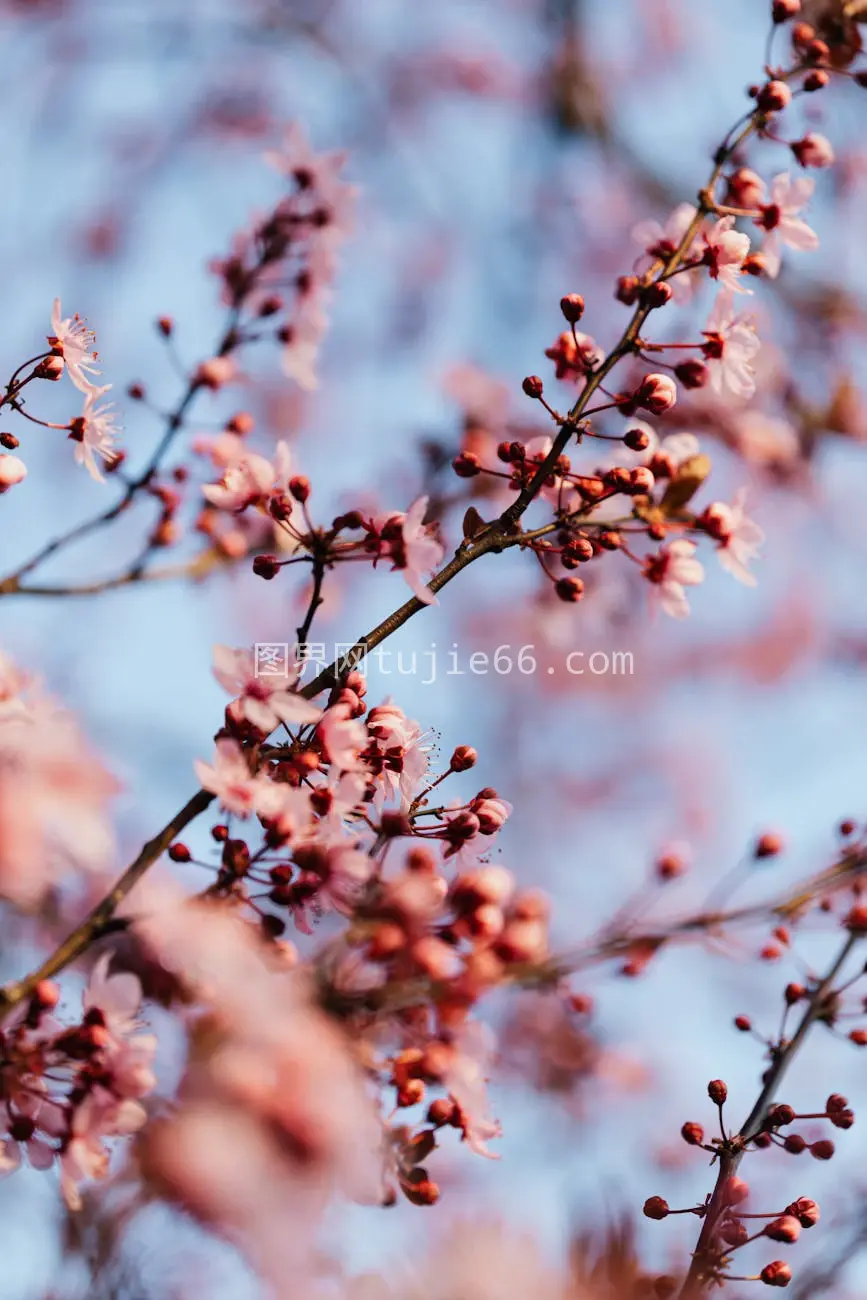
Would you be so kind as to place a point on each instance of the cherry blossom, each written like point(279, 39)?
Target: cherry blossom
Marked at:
point(732, 343)
point(779, 217)
point(660, 241)
point(229, 778)
point(401, 744)
point(727, 249)
point(465, 1081)
point(73, 340)
point(247, 480)
point(342, 736)
point(416, 553)
point(263, 700)
point(85, 1156)
point(672, 569)
point(94, 432)
point(54, 797)
point(738, 537)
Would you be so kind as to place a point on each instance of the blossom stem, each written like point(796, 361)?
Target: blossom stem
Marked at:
point(703, 1269)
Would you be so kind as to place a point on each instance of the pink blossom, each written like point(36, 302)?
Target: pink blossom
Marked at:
point(74, 341)
point(127, 1054)
point(661, 242)
point(726, 250)
point(274, 1110)
point(94, 431)
point(246, 481)
point(12, 471)
point(54, 796)
point(419, 553)
point(779, 217)
point(348, 871)
point(485, 399)
point(286, 809)
point(766, 440)
point(403, 740)
point(732, 343)
point(465, 1081)
point(101, 1115)
point(738, 536)
point(672, 569)
point(263, 700)
point(229, 778)
point(343, 736)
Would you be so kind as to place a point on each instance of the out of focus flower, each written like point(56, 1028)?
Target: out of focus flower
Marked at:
point(738, 537)
point(12, 471)
point(53, 796)
point(672, 569)
point(732, 343)
point(229, 778)
point(780, 218)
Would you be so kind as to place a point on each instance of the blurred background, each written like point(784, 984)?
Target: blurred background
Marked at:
point(504, 150)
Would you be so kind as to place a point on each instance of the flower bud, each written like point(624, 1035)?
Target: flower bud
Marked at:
point(787, 1228)
point(463, 758)
point(657, 393)
point(692, 1134)
point(656, 1208)
point(467, 464)
point(813, 150)
point(570, 590)
point(658, 294)
point(627, 290)
point(533, 386)
point(572, 307)
point(794, 1144)
point(636, 439)
point(768, 845)
point(179, 852)
point(734, 1191)
point(822, 1150)
point(783, 10)
point(774, 96)
point(641, 480)
point(717, 1091)
point(776, 1274)
point(266, 566)
point(805, 1211)
point(12, 471)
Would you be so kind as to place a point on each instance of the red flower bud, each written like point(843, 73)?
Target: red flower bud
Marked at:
point(776, 1274)
point(572, 307)
point(787, 1228)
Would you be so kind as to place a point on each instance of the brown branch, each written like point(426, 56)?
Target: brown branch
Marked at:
point(704, 1269)
point(502, 533)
